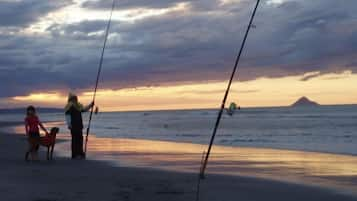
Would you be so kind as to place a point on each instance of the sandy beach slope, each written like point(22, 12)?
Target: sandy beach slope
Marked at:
point(67, 180)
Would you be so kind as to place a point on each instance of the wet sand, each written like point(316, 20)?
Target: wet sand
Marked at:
point(337, 172)
point(72, 180)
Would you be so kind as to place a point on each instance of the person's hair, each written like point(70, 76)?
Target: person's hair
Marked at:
point(72, 98)
point(30, 108)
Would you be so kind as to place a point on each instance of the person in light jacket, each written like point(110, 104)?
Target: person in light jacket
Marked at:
point(73, 113)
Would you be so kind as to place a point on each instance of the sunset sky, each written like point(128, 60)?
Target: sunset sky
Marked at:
point(174, 54)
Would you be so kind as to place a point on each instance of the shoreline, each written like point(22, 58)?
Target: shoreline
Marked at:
point(11, 127)
point(132, 183)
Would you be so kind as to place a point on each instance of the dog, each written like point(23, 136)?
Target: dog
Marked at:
point(49, 141)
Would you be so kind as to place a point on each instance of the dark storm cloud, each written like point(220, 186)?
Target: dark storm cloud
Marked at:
point(294, 37)
point(37, 64)
point(198, 45)
point(22, 13)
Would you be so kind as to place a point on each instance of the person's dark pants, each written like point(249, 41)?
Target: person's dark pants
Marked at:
point(35, 137)
point(77, 142)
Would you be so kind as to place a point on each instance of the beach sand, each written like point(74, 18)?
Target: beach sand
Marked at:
point(72, 180)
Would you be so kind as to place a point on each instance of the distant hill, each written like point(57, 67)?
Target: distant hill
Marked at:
point(23, 110)
point(304, 101)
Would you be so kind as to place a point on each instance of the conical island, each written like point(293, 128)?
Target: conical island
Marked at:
point(303, 102)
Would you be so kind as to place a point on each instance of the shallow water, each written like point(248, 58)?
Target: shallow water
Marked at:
point(334, 171)
point(309, 168)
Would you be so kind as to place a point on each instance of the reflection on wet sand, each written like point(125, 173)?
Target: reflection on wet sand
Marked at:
point(311, 168)
point(328, 170)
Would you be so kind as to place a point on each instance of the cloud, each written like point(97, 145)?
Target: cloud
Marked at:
point(145, 4)
point(198, 44)
point(309, 76)
point(217, 91)
point(130, 4)
point(24, 12)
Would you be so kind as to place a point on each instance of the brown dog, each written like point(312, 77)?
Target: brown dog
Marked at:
point(49, 141)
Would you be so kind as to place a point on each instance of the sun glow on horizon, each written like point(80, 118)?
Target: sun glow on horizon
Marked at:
point(40, 97)
point(264, 92)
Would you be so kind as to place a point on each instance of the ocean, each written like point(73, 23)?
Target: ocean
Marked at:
point(309, 145)
point(327, 129)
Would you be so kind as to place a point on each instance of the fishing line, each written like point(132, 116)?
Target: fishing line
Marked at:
point(98, 74)
point(206, 156)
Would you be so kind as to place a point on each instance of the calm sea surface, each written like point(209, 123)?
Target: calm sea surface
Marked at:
point(331, 129)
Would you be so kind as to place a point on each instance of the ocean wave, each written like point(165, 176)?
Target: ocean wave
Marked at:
point(306, 134)
point(188, 135)
point(112, 128)
point(254, 140)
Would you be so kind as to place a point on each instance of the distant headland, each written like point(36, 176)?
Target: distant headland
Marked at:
point(304, 101)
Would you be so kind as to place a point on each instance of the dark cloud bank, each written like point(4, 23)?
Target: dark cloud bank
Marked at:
point(22, 13)
point(197, 45)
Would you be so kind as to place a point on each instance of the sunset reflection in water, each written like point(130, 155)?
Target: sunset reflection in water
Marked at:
point(311, 168)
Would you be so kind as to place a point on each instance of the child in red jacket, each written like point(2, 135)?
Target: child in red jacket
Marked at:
point(32, 124)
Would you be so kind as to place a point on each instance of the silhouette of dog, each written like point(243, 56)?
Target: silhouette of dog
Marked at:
point(49, 141)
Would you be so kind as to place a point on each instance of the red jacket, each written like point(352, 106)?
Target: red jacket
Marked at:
point(32, 123)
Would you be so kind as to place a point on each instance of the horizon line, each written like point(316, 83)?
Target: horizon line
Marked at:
point(187, 109)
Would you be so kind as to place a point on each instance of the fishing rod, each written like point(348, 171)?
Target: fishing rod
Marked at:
point(205, 161)
point(98, 74)
point(205, 155)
